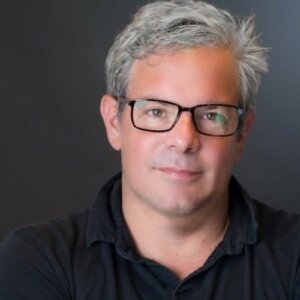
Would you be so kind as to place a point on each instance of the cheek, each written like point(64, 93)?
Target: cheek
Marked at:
point(222, 154)
point(239, 150)
point(136, 151)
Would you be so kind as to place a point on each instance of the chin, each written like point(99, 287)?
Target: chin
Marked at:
point(179, 206)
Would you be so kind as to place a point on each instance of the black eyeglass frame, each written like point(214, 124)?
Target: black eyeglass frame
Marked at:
point(181, 109)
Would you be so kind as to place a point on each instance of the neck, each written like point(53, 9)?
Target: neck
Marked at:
point(182, 243)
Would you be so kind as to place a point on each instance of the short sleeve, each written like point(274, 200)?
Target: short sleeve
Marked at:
point(29, 270)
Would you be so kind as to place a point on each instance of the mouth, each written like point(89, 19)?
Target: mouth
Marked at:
point(180, 174)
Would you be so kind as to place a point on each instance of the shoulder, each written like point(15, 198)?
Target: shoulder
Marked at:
point(277, 222)
point(40, 252)
point(61, 230)
point(278, 248)
point(54, 238)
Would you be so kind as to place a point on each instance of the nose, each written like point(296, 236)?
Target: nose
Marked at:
point(184, 137)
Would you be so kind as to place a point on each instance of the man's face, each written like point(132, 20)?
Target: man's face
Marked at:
point(180, 171)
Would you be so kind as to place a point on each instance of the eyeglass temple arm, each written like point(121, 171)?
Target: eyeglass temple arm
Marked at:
point(122, 100)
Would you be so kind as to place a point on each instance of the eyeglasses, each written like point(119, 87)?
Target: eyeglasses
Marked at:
point(160, 116)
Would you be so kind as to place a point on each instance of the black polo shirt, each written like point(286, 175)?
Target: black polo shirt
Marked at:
point(91, 256)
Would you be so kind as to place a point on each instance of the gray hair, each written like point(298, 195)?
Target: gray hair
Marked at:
point(179, 24)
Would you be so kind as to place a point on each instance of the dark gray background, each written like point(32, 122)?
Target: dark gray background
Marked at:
point(54, 154)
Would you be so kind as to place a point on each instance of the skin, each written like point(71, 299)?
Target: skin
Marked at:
point(175, 184)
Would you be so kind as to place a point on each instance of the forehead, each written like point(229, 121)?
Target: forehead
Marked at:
point(196, 75)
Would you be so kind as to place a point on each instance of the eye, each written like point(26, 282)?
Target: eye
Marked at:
point(211, 116)
point(155, 112)
point(214, 116)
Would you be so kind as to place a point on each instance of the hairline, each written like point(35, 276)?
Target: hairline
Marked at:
point(176, 49)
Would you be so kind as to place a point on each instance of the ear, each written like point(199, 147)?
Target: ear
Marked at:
point(109, 112)
point(245, 131)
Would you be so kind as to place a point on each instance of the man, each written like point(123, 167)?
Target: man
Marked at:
point(181, 84)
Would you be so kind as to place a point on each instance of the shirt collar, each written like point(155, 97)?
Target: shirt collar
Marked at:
point(102, 221)
point(243, 227)
point(106, 223)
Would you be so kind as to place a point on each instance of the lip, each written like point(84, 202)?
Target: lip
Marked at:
point(180, 174)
